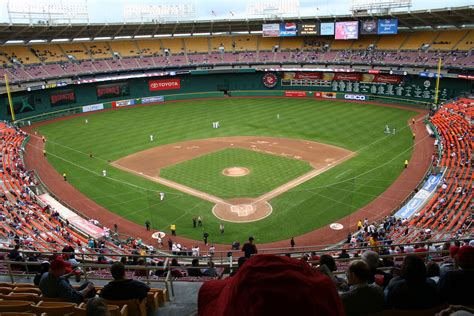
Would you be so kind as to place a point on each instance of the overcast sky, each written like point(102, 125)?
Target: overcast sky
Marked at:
point(101, 11)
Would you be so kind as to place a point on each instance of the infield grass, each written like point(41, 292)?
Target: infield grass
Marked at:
point(266, 172)
point(337, 192)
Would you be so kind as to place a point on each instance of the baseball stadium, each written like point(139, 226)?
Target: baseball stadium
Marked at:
point(250, 158)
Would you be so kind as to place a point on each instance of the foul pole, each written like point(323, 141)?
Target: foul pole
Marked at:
point(9, 98)
point(438, 75)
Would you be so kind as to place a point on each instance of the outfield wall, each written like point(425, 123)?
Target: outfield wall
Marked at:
point(70, 99)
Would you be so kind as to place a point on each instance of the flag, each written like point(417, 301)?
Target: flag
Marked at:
point(213, 13)
point(231, 13)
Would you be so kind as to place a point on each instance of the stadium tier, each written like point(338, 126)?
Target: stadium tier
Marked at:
point(39, 62)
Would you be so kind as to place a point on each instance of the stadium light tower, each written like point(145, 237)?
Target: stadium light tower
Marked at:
point(47, 12)
point(274, 8)
point(171, 11)
point(378, 6)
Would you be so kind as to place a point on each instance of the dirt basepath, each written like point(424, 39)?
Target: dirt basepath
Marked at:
point(377, 209)
point(321, 157)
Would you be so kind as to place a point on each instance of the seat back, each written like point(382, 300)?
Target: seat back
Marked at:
point(17, 314)
point(114, 310)
point(5, 290)
point(135, 307)
point(54, 308)
point(15, 306)
point(32, 297)
point(27, 290)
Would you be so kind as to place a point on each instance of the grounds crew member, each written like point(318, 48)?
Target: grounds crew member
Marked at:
point(406, 163)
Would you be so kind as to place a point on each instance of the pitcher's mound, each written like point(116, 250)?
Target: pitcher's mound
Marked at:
point(242, 210)
point(235, 171)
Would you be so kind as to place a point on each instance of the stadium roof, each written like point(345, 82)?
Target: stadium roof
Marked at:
point(456, 18)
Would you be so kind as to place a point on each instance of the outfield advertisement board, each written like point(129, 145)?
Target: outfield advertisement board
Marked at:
point(164, 84)
point(93, 107)
point(113, 90)
point(155, 99)
point(295, 94)
point(123, 103)
point(356, 97)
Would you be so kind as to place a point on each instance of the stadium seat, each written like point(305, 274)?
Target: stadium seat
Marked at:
point(15, 306)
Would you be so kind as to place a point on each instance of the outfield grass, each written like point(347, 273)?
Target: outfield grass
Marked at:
point(266, 172)
point(341, 190)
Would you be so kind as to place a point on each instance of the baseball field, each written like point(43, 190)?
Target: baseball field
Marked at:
point(275, 168)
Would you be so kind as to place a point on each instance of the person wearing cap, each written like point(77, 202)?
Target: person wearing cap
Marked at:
point(249, 248)
point(271, 285)
point(122, 288)
point(455, 287)
point(54, 284)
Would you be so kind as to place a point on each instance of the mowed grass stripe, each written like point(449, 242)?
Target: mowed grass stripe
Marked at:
point(115, 134)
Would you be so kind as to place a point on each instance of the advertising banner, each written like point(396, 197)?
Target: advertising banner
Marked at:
point(288, 29)
point(420, 198)
point(347, 30)
point(295, 93)
point(62, 97)
point(93, 107)
point(123, 103)
point(387, 26)
point(308, 29)
point(153, 99)
point(327, 28)
point(21, 104)
point(302, 75)
point(347, 76)
point(164, 84)
point(356, 97)
point(113, 90)
point(381, 78)
point(271, 30)
point(368, 27)
point(325, 95)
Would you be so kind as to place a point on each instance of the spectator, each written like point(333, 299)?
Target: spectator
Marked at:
point(360, 292)
point(249, 248)
point(412, 290)
point(194, 270)
point(54, 284)
point(271, 285)
point(14, 254)
point(455, 287)
point(327, 265)
point(121, 288)
point(211, 270)
point(372, 259)
point(344, 254)
point(240, 263)
point(44, 268)
point(432, 271)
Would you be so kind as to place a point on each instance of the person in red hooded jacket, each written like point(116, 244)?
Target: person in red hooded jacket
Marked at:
point(271, 285)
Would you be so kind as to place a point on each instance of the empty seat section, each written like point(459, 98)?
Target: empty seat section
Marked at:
point(418, 39)
point(150, 47)
point(99, 50)
point(197, 44)
point(391, 42)
point(49, 53)
point(365, 41)
point(291, 43)
point(341, 44)
point(446, 40)
point(467, 43)
point(218, 41)
point(174, 45)
point(267, 43)
point(77, 50)
point(22, 53)
point(125, 48)
point(245, 43)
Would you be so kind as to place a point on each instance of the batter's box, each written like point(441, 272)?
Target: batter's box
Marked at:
point(243, 209)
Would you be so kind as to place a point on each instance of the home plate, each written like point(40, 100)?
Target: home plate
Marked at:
point(243, 209)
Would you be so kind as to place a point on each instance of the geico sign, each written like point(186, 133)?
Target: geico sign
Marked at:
point(165, 84)
point(354, 97)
